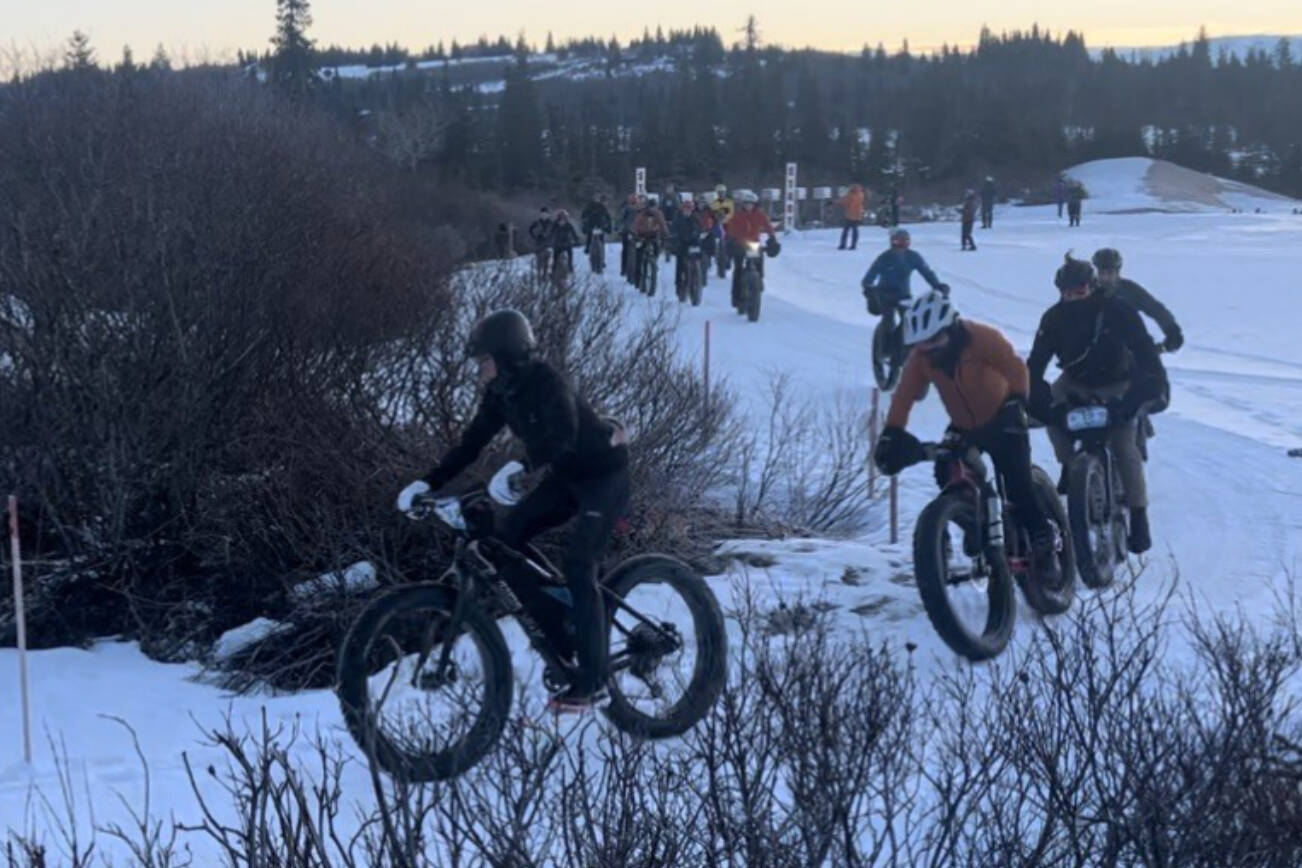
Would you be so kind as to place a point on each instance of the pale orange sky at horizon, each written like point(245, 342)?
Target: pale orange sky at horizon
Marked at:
point(197, 30)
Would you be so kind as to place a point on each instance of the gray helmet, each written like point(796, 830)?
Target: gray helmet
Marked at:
point(1107, 258)
point(505, 335)
point(899, 233)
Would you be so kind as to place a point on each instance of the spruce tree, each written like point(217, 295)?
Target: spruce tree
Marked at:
point(79, 56)
point(292, 66)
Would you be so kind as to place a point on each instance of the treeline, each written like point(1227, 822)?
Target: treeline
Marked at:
point(1019, 102)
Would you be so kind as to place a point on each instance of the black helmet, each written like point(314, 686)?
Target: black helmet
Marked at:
point(1074, 273)
point(1107, 258)
point(505, 335)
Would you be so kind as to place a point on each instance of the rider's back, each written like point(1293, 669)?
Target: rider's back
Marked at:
point(983, 372)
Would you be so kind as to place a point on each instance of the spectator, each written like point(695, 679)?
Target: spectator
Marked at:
point(852, 208)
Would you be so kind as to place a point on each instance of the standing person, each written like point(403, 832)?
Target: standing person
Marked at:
point(968, 220)
point(1060, 193)
point(852, 208)
point(627, 217)
point(541, 235)
point(587, 461)
point(1106, 354)
point(1075, 195)
point(988, 196)
point(564, 239)
point(504, 240)
point(887, 282)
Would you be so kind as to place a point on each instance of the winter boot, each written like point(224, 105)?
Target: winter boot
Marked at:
point(574, 701)
point(1140, 541)
point(1045, 567)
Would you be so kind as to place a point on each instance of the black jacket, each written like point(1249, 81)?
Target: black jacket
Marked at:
point(1144, 302)
point(1098, 341)
point(564, 235)
point(595, 216)
point(557, 426)
point(541, 232)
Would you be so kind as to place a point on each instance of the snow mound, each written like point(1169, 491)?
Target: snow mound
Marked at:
point(234, 641)
point(1134, 185)
point(357, 579)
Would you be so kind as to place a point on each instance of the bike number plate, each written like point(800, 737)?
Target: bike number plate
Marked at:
point(1087, 418)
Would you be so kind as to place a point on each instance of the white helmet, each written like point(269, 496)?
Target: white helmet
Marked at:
point(927, 317)
point(747, 196)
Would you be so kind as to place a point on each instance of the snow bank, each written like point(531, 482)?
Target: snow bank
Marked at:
point(234, 641)
point(1141, 184)
point(357, 579)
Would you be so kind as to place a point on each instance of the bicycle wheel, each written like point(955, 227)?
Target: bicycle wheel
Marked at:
point(668, 647)
point(696, 277)
point(752, 291)
point(416, 719)
point(1092, 527)
point(1052, 599)
point(886, 366)
point(972, 611)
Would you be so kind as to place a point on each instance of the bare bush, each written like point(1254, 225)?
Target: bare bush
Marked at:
point(808, 468)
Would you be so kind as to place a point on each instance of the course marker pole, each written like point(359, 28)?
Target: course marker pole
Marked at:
point(895, 509)
point(872, 443)
point(707, 365)
point(20, 618)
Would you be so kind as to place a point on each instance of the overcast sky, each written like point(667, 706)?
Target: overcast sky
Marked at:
point(197, 27)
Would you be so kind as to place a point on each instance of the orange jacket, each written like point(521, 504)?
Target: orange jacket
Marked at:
point(651, 224)
point(853, 204)
point(989, 372)
point(748, 225)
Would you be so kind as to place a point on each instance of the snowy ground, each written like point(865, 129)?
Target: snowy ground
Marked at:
point(1227, 502)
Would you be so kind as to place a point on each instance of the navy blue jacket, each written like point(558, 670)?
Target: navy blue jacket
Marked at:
point(890, 273)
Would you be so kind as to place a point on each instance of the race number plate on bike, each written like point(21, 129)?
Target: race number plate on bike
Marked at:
point(1086, 418)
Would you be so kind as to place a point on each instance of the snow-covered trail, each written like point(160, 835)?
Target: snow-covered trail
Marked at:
point(1227, 501)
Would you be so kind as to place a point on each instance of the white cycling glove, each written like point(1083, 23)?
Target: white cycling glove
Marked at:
point(506, 487)
point(409, 494)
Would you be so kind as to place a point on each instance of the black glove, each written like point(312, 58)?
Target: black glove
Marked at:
point(1041, 403)
point(1174, 341)
point(896, 450)
point(1012, 415)
point(772, 247)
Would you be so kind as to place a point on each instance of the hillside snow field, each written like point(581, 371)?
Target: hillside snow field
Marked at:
point(1226, 499)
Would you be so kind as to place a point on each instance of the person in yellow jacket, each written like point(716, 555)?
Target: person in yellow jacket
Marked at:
point(722, 206)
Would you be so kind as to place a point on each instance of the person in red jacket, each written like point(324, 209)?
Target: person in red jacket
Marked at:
point(746, 227)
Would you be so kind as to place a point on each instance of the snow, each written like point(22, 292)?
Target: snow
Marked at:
point(236, 640)
point(1136, 184)
point(358, 578)
point(1226, 499)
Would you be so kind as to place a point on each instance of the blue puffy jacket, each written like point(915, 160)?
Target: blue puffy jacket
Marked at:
point(890, 272)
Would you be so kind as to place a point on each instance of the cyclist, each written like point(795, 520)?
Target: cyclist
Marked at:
point(746, 227)
point(595, 216)
point(722, 206)
point(687, 229)
point(627, 216)
point(1108, 262)
point(651, 232)
point(886, 284)
point(1105, 353)
point(564, 239)
point(984, 387)
point(587, 457)
point(540, 232)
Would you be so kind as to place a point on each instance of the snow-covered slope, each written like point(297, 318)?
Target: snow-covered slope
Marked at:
point(1227, 502)
point(1136, 184)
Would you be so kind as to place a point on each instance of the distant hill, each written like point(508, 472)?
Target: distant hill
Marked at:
point(1241, 46)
